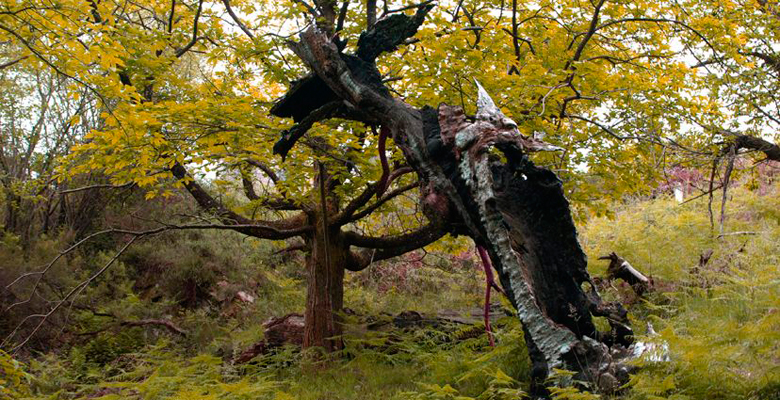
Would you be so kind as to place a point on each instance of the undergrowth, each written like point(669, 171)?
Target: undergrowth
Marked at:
point(718, 324)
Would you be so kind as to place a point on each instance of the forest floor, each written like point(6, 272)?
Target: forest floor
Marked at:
point(718, 323)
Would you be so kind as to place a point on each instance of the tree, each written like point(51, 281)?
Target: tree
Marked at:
point(608, 82)
point(512, 207)
point(42, 117)
point(149, 76)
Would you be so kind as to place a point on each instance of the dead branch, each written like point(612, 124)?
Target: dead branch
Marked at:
point(619, 268)
point(293, 247)
point(135, 235)
point(103, 186)
point(276, 230)
point(73, 292)
point(156, 322)
point(704, 259)
point(726, 180)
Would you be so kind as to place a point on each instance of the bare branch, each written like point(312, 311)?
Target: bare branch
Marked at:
point(161, 322)
point(292, 135)
point(384, 199)
point(377, 249)
point(12, 62)
point(300, 246)
point(266, 169)
point(99, 186)
point(275, 230)
point(347, 213)
point(76, 289)
point(726, 179)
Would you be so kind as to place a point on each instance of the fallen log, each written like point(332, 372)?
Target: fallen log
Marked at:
point(288, 329)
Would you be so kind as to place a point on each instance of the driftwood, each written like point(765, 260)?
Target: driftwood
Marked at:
point(514, 209)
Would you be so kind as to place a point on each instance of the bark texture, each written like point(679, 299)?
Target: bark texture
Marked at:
point(325, 290)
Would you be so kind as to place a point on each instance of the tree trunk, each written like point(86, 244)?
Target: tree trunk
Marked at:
point(325, 289)
point(11, 214)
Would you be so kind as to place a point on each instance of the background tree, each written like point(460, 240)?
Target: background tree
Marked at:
point(43, 115)
point(167, 105)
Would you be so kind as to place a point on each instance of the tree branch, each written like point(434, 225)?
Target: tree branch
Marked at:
point(12, 62)
point(347, 213)
point(157, 322)
point(195, 37)
point(292, 135)
point(377, 249)
point(236, 19)
point(275, 230)
point(384, 199)
point(99, 186)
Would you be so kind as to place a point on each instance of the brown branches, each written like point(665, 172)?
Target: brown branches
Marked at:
point(167, 324)
point(275, 230)
point(237, 20)
point(384, 199)
point(620, 268)
point(381, 186)
point(591, 31)
point(348, 214)
point(156, 322)
point(753, 143)
point(73, 293)
point(382, 248)
point(98, 186)
point(419, 238)
point(732, 154)
point(292, 135)
point(76, 290)
point(195, 37)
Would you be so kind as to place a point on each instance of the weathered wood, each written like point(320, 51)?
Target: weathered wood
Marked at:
point(619, 268)
point(516, 210)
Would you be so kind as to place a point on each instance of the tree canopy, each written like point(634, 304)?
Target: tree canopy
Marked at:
point(622, 86)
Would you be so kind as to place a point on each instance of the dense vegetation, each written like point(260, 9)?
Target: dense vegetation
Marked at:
point(259, 199)
point(719, 323)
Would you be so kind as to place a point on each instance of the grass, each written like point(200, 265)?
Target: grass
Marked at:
point(721, 324)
